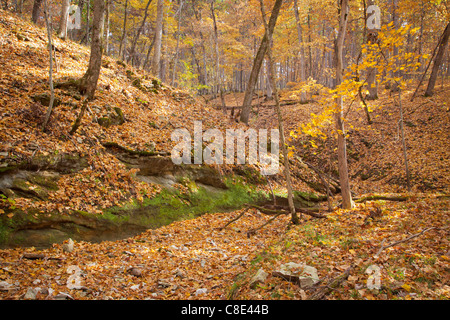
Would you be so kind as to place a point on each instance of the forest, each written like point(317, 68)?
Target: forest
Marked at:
point(114, 178)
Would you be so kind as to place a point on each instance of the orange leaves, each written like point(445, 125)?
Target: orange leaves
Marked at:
point(173, 262)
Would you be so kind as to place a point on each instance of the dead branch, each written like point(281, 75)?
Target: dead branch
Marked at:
point(235, 219)
point(253, 231)
point(333, 284)
point(407, 239)
point(276, 209)
point(37, 256)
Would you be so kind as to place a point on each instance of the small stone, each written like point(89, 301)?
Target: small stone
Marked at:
point(5, 286)
point(63, 296)
point(135, 272)
point(31, 294)
point(68, 247)
point(258, 278)
point(164, 284)
point(201, 291)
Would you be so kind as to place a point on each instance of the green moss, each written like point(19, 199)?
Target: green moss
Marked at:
point(172, 205)
point(130, 151)
point(104, 122)
point(49, 182)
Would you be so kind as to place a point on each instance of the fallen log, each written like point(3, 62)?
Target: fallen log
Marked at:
point(37, 256)
point(33, 256)
point(380, 197)
point(287, 103)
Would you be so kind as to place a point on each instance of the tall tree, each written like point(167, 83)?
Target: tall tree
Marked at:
point(139, 31)
point(339, 114)
point(62, 31)
point(302, 50)
point(257, 62)
point(36, 10)
point(124, 32)
point(156, 62)
point(294, 217)
point(438, 61)
point(177, 49)
point(372, 38)
point(88, 83)
point(107, 25)
point(50, 49)
point(217, 53)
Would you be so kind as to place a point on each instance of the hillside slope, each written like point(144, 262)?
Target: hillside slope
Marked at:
point(132, 113)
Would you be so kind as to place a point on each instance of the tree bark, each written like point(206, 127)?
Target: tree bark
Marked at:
point(62, 31)
point(175, 64)
point(294, 217)
point(156, 62)
point(395, 20)
point(339, 115)
point(36, 11)
point(88, 83)
point(124, 32)
point(217, 53)
point(50, 49)
point(372, 38)
point(248, 97)
point(438, 61)
point(107, 22)
point(88, 13)
point(302, 50)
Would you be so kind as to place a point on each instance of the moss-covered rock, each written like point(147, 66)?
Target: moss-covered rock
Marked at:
point(44, 99)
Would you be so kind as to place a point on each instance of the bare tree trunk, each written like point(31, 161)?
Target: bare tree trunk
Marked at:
point(147, 58)
point(339, 115)
point(216, 46)
point(405, 157)
point(36, 11)
point(107, 22)
point(88, 14)
point(62, 31)
point(138, 33)
point(395, 20)
point(124, 32)
point(247, 104)
point(294, 217)
point(372, 38)
point(302, 50)
point(422, 16)
point(175, 64)
point(50, 49)
point(438, 61)
point(88, 83)
point(269, 89)
point(156, 62)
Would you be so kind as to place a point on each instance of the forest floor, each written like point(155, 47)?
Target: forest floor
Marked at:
point(406, 240)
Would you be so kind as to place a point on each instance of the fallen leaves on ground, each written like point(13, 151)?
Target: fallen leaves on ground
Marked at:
point(189, 259)
point(414, 269)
